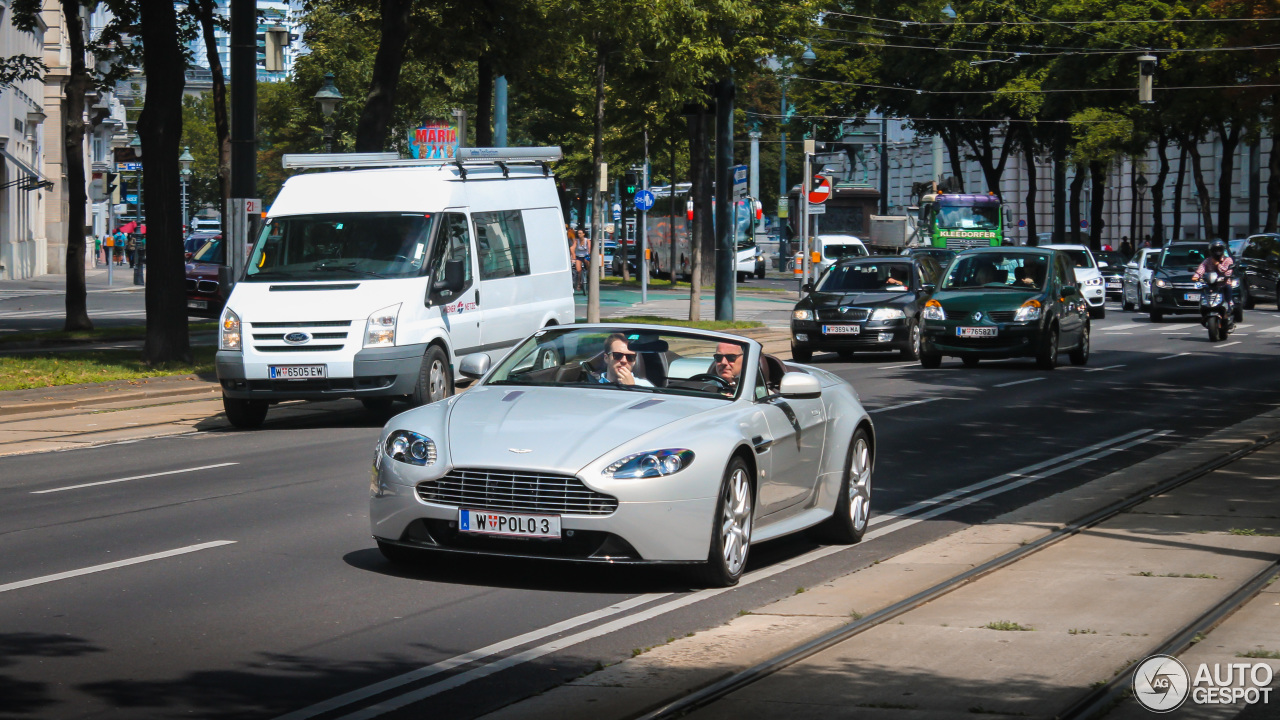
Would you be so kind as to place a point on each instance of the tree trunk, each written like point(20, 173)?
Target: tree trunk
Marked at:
point(1029, 155)
point(1060, 187)
point(1230, 141)
point(221, 126)
point(992, 164)
point(484, 102)
point(1077, 189)
point(73, 157)
point(598, 197)
point(1157, 191)
point(1177, 191)
point(371, 132)
point(1205, 203)
point(1098, 186)
point(160, 128)
point(952, 143)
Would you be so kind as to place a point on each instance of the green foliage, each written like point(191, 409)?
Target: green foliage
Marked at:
point(198, 134)
point(19, 68)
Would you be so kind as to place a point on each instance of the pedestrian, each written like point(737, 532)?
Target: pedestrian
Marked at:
point(131, 249)
point(117, 251)
point(1146, 243)
point(1126, 248)
point(97, 250)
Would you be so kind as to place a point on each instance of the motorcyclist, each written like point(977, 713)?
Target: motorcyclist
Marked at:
point(1220, 262)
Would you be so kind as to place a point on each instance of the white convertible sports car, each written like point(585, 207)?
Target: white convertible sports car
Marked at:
point(626, 444)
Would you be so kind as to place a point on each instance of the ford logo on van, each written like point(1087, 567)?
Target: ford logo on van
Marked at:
point(297, 338)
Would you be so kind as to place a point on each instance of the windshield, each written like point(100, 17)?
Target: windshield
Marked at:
point(969, 218)
point(832, 251)
point(1079, 258)
point(1183, 255)
point(866, 277)
point(1110, 257)
point(340, 245)
point(210, 252)
point(627, 359)
point(1022, 271)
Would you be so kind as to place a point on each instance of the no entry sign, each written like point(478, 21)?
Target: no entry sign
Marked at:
point(821, 189)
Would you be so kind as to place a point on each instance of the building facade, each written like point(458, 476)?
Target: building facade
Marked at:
point(23, 189)
point(271, 14)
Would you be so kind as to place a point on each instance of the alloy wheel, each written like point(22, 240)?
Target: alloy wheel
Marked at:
point(735, 525)
point(860, 485)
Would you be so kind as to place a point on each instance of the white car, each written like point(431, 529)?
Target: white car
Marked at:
point(1137, 279)
point(1092, 286)
point(836, 247)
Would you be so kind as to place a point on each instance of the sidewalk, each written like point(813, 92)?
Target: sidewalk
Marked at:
point(1085, 607)
point(95, 281)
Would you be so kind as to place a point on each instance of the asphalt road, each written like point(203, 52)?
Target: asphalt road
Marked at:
point(231, 574)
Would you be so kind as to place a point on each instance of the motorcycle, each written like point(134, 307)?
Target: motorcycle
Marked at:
point(1216, 314)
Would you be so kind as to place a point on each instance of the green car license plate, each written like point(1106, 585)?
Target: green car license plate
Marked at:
point(977, 331)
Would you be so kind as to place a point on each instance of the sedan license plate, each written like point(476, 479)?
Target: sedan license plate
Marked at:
point(198, 304)
point(976, 331)
point(486, 522)
point(1191, 297)
point(841, 329)
point(297, 372)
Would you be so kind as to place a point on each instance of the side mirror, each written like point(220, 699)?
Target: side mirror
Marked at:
point(1132, 266)
point(454, 274)
point(929, 288)
point(225, 281)
point(799, 386)
point(474, 366)
point(807, 287)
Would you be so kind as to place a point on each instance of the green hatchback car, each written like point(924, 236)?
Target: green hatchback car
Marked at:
point(1006, 302)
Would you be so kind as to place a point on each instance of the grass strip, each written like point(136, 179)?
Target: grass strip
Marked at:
point(660, 284)
point(126, 332)
point(700, 324)
point(72, 367)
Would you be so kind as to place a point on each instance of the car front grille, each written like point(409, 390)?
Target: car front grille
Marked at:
point(1002, 316)
point(509, 491)
point(850, 314)
point(208, 287)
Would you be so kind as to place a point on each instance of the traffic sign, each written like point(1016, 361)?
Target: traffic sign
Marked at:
point(815, 209)
point(617, 212)
point(740, 175)
point(128, 166)
point(821, 189)
point(644, 200)
point(1022, 223)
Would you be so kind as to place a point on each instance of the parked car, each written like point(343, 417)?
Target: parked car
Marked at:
point(1259, 263)
point(688, 467)
point(1135, 288)
point(196, 240)
point(869, 304)
point(833, 248)
point(1007, 303)
point(1088, 277)
point(1173, 292)
point(204, 297)
point(1111, 265)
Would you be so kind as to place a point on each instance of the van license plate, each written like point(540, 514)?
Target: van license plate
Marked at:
point(510, 524)
point(297, 372)
point(976, 331)
point(198, 304)
point(841, 329)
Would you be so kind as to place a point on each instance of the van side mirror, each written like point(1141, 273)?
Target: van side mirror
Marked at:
point(454, 278)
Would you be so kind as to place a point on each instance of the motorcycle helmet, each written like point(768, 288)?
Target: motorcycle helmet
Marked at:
point(1217, 248)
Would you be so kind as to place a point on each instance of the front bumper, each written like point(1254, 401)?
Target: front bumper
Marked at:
point(871, 336)
point(376, 372)
point(1114, 286)
point(1011, 340)
point(206, 306)
point(1095, 295)
point(1175, 299)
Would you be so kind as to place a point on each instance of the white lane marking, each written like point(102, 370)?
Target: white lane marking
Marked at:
point(905, 404)
point(1109, 334)
point(1019, 382)
point(113, 565)
point(1271, 329)
point(1109, 367)
point(1177, 333)
point(135, 477)
point(895, 367)
point(1245, 325)
point(1170, 357)
point(1020, 472)
point(1027, 480)
point(1226, 344)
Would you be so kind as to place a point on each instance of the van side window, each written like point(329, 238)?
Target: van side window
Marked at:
point(500, 239)
point(452, 242)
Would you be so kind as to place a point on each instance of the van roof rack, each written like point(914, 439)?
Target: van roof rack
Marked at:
point(492, 156)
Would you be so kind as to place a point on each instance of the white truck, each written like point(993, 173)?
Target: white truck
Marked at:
point(891, 233)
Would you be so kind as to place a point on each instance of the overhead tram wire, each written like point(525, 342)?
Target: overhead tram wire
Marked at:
point(1064, 53)
point(903, 23)
point(921, 91)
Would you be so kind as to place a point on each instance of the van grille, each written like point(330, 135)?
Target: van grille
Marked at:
point(510, 491)
point(320, 331)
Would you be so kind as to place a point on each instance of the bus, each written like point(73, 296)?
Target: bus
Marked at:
point(958, 222)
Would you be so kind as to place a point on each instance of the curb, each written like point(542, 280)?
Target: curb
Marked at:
point(106, 397)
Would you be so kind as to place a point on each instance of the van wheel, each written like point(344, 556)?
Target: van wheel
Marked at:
point(435, 378)
point(245, 414)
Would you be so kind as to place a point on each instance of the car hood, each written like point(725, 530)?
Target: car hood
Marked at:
point(556, 429)
point(202, 270)
point(1175, 274)
point(1083, 273)
point(822, 300)
point(963, 301)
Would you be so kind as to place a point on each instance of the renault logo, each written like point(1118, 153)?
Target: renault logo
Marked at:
point(297, 338)
point(977, 317)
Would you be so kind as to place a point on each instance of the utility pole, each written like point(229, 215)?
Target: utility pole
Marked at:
point(244, 111)
point(726, 252)
point(642, 228)
point(809, 148)
point(500, 111)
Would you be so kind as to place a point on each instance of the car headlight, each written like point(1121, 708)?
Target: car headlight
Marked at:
point(410, 447)
point(380, 330)
point(1235, 282)
point(1029, 311)
point(229, 331)
point(933, 311)
point(655, 463)
point(1093, 281)
point(887, 314)
point(1161, 283)
point(801, 315)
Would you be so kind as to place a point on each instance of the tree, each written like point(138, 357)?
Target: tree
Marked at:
point(203, 13)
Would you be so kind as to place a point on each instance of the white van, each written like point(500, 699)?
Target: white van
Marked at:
point(834, 248)
point(371, 283)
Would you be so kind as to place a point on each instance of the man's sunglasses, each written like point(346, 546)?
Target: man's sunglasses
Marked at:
point(629, 357)
point(731, 357)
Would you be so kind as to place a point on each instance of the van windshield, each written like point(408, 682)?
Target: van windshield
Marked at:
point(340, 245)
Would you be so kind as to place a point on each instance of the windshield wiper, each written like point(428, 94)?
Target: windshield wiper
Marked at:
point(265, 274)
point(346, 268)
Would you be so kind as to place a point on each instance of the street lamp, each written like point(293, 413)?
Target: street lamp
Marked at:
point(186, 159)
point(784, 192)
point(328, 97)
point(1140, 184)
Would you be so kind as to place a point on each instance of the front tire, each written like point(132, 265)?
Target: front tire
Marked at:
point(245, 414)
point(1212, 324)
point(930, 360)
point(1125, 304)
point(1080, 356)
point(1047, 357)
point(803, 355)
point(912, 350)
point(730, 528)
point(1156, 316)
point(848, 523)
point(1098, 313)
point(435, 378)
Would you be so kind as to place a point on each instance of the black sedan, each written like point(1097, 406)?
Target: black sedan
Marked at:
point(1172, 289)
point(1111, 265)
point(868, 304)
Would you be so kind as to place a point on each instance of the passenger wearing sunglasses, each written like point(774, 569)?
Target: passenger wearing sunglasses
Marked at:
point(620, 363)
point(727, 363)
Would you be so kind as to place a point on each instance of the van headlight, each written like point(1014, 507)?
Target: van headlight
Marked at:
point(1029, 311)
point(933, 311)
point(229, 331)
point(655, 463)
point(881, 314)
point(410, 447)
point(380, 330)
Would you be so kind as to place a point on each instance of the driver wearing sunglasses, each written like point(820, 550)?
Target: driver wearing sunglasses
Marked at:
point(727, 363)
point(620, 362)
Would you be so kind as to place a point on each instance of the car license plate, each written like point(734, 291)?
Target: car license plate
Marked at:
point(841, 329)
point(976, 331)
point(1113, 283)
point(297, 372)
point(1191, 297)
point(487, 522)
point(198, 304)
